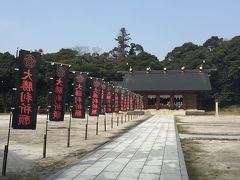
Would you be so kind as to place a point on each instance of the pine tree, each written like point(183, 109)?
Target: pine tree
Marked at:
point(123, 43)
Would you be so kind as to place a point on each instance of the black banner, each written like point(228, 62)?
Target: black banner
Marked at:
point(131, 101)
point(103, 97)
point(134, 101)
point(141, 103)
point(125, 101)
point(109, 99)
point(122, 99)
point(128, 99)
point(116, 99)
point(25, 112)
point(95, 98)
point(79, 92)
point(59, 91)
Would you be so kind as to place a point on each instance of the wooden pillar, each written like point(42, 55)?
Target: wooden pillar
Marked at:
point(216, 108)
point(171, 101)
point(158, 101)
point(195, 101)
point(145, 101)
point(184, 102)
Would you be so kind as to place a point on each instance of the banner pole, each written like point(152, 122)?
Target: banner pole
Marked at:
point(97, 126)
point(86, 128)
point(4, 167)
point(117, 118)
point(112, 121)
point(105, 124)
point(69, 127)
point(45, 136)
point(122, 118)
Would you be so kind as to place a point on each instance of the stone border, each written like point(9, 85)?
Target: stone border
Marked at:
point(183, 169)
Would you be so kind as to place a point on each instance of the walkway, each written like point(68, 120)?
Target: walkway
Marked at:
point(151, 150)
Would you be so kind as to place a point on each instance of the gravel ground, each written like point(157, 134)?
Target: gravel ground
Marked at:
point(211, 146)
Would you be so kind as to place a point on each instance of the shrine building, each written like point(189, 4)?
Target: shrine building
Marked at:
point(168, 89)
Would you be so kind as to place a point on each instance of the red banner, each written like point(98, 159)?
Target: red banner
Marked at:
point(25, 113)
point(59, 91)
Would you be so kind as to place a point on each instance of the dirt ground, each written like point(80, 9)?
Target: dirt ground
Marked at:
point(25, 158)
point(215, 157)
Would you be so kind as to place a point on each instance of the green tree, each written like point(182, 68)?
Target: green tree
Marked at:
point(213, 42)
point(123, 44)
point(135, 49)
point(7, 80)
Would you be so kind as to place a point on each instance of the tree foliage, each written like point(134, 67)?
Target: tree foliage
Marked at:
point(121, 51)
point(215, 53)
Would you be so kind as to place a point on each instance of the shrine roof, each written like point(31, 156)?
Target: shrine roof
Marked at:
point(170, 80)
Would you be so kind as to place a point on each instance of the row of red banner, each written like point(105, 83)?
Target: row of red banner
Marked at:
point(103, 97)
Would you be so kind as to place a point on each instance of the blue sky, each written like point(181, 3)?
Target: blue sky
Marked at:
point(158, 25)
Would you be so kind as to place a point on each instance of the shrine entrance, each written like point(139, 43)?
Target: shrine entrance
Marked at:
point(152, 99)
point(178, 101)
point(171, 101)
point(165, 102)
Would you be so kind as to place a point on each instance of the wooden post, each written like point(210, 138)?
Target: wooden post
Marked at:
point(121, 117)
point(105, 123)
point(45, 136)
point(117, 118)
point(112, 121)
point(171, 102)
point(157, 101)
point(216, 108)
point(69, 128)
point(86, 128)
point(97, 126)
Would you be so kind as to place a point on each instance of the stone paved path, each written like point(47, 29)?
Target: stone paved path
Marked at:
point(151, 150)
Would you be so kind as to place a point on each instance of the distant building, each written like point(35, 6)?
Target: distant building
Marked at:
point(168, 89)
